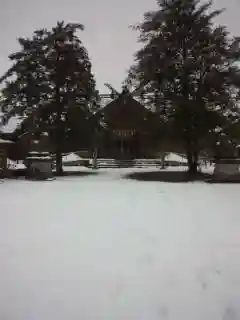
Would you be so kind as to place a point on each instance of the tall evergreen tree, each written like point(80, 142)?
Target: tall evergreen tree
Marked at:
point(190, 69)
point(52, 74)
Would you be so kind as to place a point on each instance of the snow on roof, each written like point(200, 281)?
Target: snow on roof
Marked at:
point(5, 141)
point(13, 123)
point(39, 152)
point(39, 158)
point(71, 157)
point(34, 155)
point(176, 158)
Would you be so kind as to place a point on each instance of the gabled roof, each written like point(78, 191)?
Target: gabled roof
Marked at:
point(125, 112)
point(125, 104)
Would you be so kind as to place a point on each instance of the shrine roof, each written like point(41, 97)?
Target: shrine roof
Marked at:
point(124, 104)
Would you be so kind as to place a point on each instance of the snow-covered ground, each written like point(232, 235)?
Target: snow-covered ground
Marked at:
point(101, 247)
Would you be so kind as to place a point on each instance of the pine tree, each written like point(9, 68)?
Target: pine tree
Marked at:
point(190, 71)
point(52, 74)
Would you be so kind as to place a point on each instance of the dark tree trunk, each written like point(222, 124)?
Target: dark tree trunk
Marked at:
point(59, 168)
point(192, 167)
point(192, 153)
point(192, 157)
point(58, 105)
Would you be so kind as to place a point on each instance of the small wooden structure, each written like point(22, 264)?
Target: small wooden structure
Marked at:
point(39, 166)
point(227, 168)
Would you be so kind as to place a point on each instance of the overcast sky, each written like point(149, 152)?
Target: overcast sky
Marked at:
point(107, 37)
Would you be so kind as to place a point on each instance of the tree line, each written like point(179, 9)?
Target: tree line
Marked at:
point(187, 71)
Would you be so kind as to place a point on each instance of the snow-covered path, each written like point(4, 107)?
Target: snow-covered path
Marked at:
point(103, 248)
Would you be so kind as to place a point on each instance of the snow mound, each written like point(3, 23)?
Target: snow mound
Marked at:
point(12, 124)
point(71, 157)
point(15, 165)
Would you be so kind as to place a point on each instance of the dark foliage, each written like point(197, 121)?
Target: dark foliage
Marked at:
point(51, 81)
point(189, 71)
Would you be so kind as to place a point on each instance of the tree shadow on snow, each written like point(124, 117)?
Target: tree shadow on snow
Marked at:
point(167, 176)
point(79, 173)
point(21, 173)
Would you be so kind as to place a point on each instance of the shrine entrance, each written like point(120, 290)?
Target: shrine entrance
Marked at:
point(124, 144)
point(126, 127)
